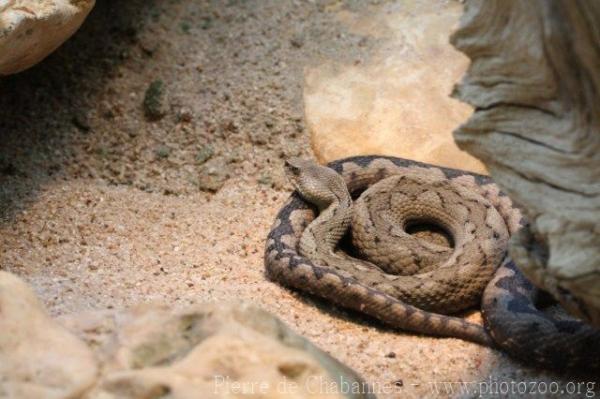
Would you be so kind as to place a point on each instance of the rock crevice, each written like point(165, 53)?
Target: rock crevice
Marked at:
point(535, 87)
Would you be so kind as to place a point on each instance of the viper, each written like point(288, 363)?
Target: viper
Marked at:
point(425, 243)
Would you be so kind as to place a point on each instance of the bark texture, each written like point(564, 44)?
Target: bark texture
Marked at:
point(534, 81)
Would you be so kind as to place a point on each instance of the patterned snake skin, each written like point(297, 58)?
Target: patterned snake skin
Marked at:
point(508, 304)
point(548, 339)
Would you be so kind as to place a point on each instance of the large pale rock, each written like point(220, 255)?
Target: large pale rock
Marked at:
point(38, 357)
point(32, 29)
point(397, 102)
point(534, 81)
point(206, 351)
point(209, 351)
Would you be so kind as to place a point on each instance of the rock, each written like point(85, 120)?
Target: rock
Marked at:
point(211, 351)
point(397, 102)
point(208, 351)
point(81, 122)
point(38, 357)
point(260, 136)
point(185, 115)
point(297, 40)
point(213, 174)
point(204, 154)
point(535, 84)
point(162, 151)
point(155, 103)
point(32, 29)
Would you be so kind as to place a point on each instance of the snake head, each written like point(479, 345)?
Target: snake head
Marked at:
point(300, 172)
point(317, 184)
point(295, 166)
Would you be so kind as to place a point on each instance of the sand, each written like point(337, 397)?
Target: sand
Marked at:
point(101, 208)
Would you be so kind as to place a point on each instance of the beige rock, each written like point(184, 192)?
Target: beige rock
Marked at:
point(209, 351)
point(38, 357)
point(535, 82)
point(32, 29)
point(396, 103)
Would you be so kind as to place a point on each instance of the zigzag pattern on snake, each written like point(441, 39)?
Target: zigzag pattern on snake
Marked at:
point(369, 289)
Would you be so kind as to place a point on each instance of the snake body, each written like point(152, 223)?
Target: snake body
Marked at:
point(512, 310)
point(382, 218)
point(404, 289)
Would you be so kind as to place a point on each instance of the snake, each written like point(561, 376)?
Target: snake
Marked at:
point(412, 244)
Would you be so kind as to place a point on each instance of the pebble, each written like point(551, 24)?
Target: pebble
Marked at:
point(155, 106)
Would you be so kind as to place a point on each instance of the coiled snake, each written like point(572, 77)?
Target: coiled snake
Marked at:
point(433, 238)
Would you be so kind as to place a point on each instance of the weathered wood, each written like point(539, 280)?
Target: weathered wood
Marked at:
point(534, 81)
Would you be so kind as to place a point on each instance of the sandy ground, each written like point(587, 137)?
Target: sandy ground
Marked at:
point(101, 208)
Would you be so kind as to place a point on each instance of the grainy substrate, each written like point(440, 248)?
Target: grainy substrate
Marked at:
point(101, 208)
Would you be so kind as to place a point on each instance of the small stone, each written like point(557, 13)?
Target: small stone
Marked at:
point(131, 129)
point(235, 156)
point(259, 137)
point(230, 126)
point(205, 153)
point(297, 41)
point(107, 111)
point(213, 175)
point(205, 23)
point(391, 355)
point(81, 122)
point(185, 27)
point(149, 47)
point(154, 100)
point(265, 179)
point(162, 151)
point(185, 115)
point(210, 183)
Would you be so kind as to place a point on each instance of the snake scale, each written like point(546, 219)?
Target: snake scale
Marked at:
point(434, 239)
